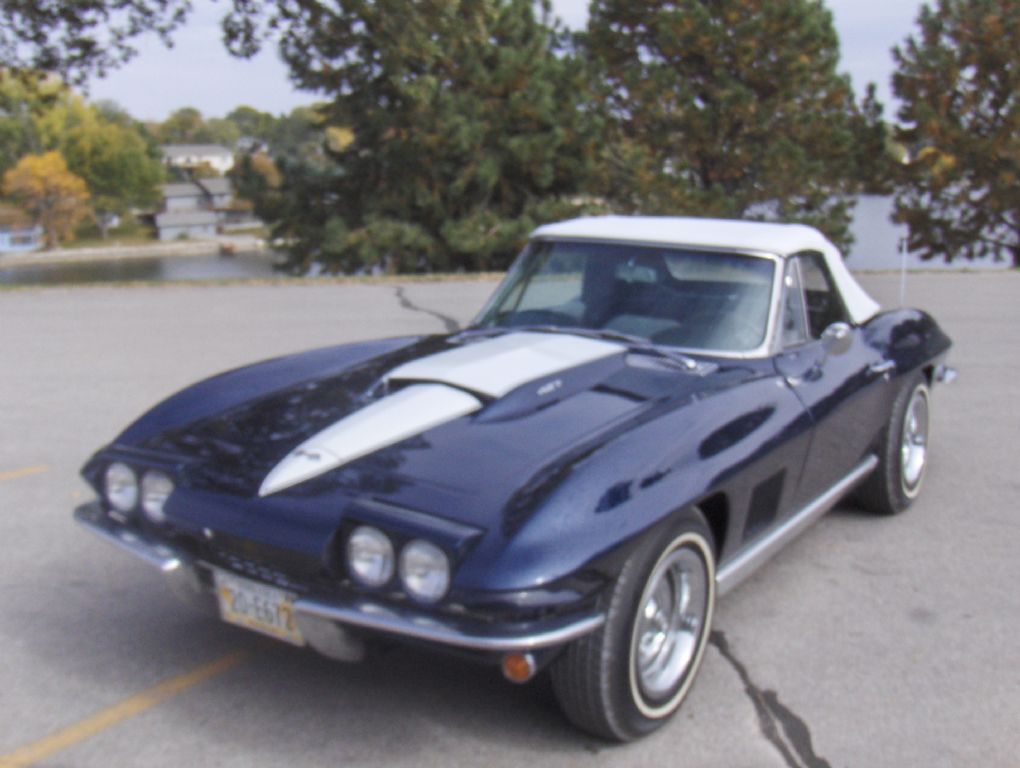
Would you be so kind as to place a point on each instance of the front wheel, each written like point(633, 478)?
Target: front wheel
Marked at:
point(630, 676)
point(903, 452)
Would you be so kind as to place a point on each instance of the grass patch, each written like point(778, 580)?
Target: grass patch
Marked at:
point(129, 232)
point(258, 231)
point(113, 241)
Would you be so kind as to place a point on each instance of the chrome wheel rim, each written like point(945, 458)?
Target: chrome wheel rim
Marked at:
point(670, 623)
point(914, 441)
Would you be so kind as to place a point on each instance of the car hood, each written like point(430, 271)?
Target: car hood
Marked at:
point(457, 427)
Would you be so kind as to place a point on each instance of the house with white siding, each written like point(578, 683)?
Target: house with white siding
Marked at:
point(191, 156)
point(183, 196)
point(201, 194)
point(201, 208)
point(186, 224)
point(18, 234)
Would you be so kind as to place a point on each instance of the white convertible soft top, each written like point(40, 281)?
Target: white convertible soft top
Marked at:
point(780, 240)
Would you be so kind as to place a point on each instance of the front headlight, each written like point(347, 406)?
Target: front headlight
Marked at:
point(121, 487)
point(370, 556)
point(424, 570)
point(156, 489)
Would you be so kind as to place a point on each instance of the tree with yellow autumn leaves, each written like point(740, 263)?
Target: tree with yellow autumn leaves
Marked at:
point(56, 198)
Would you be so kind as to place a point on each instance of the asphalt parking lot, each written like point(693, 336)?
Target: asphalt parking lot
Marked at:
point(867, 642)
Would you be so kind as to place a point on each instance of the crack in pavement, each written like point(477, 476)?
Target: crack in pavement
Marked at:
point(773, 715)
point(451, 325)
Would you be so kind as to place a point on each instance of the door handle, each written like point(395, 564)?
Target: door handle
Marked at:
point(883, 367)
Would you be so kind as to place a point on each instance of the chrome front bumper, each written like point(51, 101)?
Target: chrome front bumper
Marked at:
point(315, 615)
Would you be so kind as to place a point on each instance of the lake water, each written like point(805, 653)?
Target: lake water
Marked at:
point(164, 269)
point(877, 241)
point(877, 244)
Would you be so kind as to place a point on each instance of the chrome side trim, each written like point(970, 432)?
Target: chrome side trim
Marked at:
point(374, 616)
point(155, 554)
point(748, 561)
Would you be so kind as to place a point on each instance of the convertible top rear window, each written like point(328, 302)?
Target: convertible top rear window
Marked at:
point(690, 299)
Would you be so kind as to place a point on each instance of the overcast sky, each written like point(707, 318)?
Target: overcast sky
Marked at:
point(197, 72)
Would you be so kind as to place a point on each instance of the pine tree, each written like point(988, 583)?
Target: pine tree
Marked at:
point(728, 108)
point(876, 157)
point(468, 130)
point(959, 81)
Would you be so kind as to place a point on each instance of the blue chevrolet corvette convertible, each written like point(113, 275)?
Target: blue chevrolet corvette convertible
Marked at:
point(643, 413)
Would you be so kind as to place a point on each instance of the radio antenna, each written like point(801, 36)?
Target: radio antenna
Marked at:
point(903, 272)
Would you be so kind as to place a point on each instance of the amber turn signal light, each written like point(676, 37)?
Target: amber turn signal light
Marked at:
point(519, 667)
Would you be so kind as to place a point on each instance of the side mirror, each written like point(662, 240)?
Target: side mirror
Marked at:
point(837, 338)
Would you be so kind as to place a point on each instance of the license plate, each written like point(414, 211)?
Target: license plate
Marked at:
point(257, 606)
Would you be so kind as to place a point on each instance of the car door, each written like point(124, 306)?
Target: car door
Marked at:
point(837, 375)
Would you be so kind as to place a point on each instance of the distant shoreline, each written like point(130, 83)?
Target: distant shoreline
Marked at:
point(115, 252)
point(250, 244)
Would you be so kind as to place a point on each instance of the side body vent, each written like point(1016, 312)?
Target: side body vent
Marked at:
point(764, 504)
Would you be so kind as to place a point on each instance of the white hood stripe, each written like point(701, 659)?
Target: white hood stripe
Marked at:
point(407, 413)
point(436, 396)
point(495, 367)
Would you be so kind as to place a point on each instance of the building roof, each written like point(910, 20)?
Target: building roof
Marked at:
point(188, 150)
point(780, 240)
point(212, 186)
point(185, 218)
point(182, 189)
point(216, 185)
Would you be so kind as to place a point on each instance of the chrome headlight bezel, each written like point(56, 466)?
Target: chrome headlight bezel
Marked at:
point(371, 559)
point(120, 487)
point(156, 488)
point(424, 571)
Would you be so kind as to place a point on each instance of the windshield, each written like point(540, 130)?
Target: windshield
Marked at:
point(695, 300)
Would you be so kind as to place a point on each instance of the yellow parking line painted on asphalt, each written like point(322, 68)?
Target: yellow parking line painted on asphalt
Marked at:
point(107, 718)
point(14, 474)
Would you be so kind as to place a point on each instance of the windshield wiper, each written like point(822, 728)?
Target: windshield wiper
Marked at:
point(466, 334)
point(637, 344)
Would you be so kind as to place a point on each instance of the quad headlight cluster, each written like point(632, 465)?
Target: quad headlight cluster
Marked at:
point(125, 493)
point(424, 568)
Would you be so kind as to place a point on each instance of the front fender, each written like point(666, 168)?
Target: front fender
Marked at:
point(721, 442)
point(910, 338)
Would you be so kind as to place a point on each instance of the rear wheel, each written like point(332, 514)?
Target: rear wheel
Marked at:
point(903, 452)
point(630, 676)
